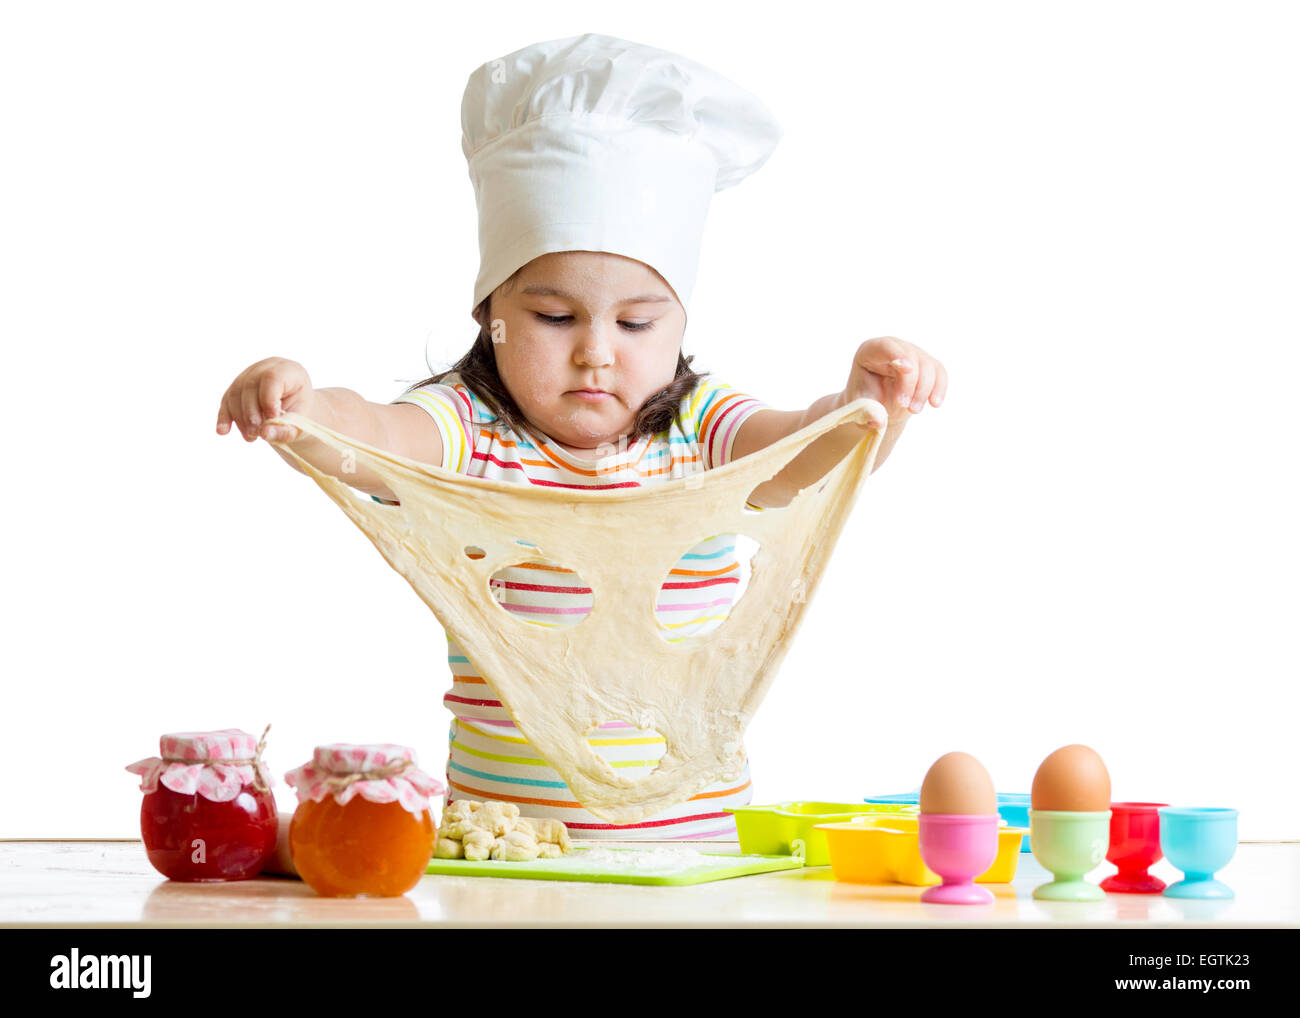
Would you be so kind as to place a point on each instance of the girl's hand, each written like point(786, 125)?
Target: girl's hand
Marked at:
point(263, 391)
point(900, 375)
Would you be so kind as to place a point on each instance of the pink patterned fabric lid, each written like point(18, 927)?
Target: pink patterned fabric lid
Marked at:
point(379, 773)
point(216, 765)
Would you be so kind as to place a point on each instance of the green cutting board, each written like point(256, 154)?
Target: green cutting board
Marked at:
point(622, 866)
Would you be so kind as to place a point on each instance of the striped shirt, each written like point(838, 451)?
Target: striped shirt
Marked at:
point(488, 757)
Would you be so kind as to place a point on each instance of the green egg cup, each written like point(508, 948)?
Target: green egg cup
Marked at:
point(1069, 844)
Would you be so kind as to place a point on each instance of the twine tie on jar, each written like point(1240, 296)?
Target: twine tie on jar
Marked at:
point(337, 781)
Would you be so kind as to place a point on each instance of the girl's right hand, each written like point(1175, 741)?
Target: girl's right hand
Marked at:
point(263, 391)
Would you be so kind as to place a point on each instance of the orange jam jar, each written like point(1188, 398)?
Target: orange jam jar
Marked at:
point(208, 812)
point(363, 825)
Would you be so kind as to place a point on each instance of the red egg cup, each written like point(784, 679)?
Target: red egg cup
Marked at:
point(1134, 846)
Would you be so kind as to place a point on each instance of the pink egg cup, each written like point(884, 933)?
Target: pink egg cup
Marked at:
point(1134, 846)
point(958, 848)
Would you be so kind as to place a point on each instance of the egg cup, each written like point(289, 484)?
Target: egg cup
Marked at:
point(1199, 841)
point(1069, 844)
point(1134, 846)
point(958, 847)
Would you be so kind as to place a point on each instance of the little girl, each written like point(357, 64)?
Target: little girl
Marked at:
point(590, 157)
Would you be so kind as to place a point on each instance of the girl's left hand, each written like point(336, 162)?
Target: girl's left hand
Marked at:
point(899, 375)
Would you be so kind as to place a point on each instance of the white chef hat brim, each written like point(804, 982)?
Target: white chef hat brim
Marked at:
point(598, 144)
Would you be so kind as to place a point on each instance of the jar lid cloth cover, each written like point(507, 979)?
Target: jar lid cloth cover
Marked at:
point(379, 773)
point(216, 765)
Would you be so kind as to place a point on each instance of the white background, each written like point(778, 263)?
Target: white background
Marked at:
point(1088, 211)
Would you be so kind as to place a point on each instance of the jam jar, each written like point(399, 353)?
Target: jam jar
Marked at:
point(208, 812)
point(363, 826)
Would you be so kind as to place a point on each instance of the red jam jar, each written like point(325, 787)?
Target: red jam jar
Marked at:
point(363, 826)
point(208, 812)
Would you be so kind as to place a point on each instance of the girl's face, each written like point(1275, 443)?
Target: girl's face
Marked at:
point(585, 320)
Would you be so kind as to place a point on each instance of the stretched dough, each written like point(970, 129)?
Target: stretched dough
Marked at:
point(559, 683)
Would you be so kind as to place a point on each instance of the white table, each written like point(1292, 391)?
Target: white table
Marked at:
point(88, 884)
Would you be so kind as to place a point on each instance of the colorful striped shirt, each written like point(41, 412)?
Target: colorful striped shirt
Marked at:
point(488, 757)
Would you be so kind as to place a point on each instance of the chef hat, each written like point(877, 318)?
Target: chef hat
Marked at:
point(593, 143)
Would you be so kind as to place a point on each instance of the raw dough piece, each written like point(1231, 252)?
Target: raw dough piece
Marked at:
point(559, 683)
point(477, 845)
point(551, 832)
point(517, 846)
point(482, 830)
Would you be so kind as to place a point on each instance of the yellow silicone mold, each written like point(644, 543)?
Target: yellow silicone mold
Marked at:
point(885, 849)
point(774, 830)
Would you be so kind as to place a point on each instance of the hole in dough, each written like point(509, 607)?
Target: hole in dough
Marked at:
point(704, 586)
point(473, 551)
point(632, 751)
point(781, 499)
point(759, 495)
point(542, 592)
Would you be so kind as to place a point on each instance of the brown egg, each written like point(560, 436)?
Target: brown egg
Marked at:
point(1073, 778)
point(958, 783)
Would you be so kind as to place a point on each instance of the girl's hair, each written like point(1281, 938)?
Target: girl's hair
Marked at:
point(478, 370)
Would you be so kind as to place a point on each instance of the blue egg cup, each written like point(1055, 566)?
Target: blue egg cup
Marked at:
point(1200, 841)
